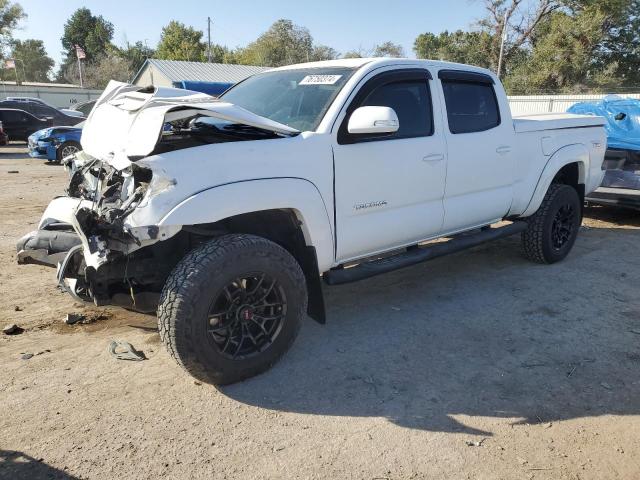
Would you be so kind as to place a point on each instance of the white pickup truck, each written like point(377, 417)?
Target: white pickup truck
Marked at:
point(224, 215)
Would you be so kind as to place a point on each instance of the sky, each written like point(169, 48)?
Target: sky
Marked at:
point(340, 24)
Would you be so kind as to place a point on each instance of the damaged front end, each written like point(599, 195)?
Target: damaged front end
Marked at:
point(86, 235)
point(106, 236)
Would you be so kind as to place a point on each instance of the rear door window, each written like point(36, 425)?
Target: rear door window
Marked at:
point(471, 107)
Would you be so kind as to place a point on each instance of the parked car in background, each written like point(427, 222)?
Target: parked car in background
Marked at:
point(4, 138)
point(72, 113)
point(18, 124)
point(84, 108)
point(621, 183)
point(42, 110)
point(66, 111)
point(27, 99)
point(55, 143)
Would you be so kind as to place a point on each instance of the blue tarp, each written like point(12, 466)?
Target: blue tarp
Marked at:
point(210, 88)
point(623, 120)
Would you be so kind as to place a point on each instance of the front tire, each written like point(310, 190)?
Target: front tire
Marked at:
point(232, 307)
point(66, 149)
point(553, 229)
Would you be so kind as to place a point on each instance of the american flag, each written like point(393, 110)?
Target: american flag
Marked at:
point(80, 53)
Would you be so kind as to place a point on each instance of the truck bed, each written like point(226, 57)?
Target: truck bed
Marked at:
point(554, 121)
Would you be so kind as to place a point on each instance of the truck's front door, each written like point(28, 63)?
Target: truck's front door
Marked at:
point(389, 190)
point(480, 148)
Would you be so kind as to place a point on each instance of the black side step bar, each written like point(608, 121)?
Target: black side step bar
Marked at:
point(421, 254)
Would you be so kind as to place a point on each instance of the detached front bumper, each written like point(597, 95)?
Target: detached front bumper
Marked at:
point(47, 247)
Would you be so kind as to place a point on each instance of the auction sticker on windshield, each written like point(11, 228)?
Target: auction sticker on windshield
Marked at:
point(320, 79)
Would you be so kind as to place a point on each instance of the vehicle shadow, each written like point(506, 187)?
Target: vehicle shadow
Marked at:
point(18, 466)
point(483, 333)
point(14, 151)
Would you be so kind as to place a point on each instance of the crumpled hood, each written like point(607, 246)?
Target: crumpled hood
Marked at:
point(127, 120)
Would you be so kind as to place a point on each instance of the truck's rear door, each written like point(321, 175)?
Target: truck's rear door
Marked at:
point(480, 145)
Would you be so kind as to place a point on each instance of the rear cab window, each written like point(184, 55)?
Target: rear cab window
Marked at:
point(470, 101)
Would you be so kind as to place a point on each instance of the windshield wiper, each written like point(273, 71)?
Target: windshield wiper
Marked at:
point(248, 129)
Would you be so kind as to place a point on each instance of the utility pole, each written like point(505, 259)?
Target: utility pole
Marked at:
point(80, 54)
point(209, 39)
point(24, 71)
point(504, 37)
point(80, 72)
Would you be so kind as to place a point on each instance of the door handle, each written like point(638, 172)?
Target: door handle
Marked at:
point(436, 157)
point(503, 149)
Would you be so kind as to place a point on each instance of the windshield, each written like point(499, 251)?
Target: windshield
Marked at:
point(297, 98)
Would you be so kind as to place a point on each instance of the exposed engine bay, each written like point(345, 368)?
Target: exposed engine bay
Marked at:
point(101, 253)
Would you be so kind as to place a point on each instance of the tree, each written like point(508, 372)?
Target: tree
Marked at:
point(388, 49)
point(283, 44)
point(517, 21)
point(620, 46)
point(459, 46)
point(136, 54)
point(179, 42)
point(92, 33)
point(584, 45)
point(32, 61)
point(323, 52)
point(354, 54)
point(97, 74)
point(10, 14)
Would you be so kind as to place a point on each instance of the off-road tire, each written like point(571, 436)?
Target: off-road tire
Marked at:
point(537, 240)
point(187, 295)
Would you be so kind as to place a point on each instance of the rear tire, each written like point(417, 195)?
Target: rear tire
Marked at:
point(553, 229)
point(232, 307)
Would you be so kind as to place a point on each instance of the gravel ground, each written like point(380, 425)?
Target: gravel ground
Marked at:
point(476, 366)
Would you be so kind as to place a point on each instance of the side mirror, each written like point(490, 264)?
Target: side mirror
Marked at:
point(373, 120)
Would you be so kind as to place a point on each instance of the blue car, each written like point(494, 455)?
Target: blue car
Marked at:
point(55, 143)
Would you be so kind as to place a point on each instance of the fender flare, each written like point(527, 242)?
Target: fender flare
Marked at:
point(248, 196)
point(576, 153)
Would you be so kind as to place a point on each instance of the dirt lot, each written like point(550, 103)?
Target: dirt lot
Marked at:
point(480, 365)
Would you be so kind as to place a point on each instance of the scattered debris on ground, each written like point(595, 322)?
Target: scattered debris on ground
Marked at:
point(26, 356)
point(73, 318)
point(85, 319)
point(125, 351)
point(12, 329)
point(471, 443)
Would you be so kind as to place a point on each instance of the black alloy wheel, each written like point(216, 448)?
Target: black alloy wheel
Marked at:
point(246, 316)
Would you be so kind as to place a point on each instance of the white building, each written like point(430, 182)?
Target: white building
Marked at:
point(59, 95)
